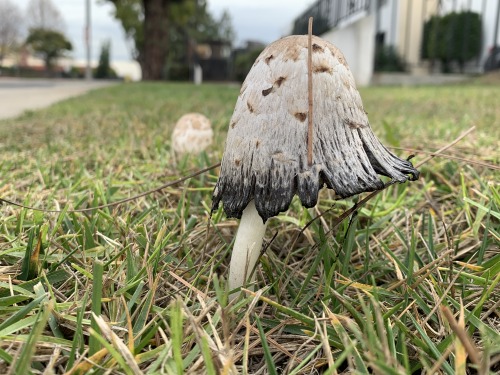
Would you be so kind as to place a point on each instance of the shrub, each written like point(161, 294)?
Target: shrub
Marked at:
point(387, 59)
point(452, 37)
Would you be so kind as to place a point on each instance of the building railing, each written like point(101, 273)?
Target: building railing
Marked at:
point(328, 14)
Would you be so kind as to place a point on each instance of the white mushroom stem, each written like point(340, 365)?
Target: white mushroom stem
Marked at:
point(247, 246)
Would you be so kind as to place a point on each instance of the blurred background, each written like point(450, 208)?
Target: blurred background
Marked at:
point(384, 41)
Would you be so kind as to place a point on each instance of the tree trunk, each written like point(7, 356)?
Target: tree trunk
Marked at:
point(155, 46)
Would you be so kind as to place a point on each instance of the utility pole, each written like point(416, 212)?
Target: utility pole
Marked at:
point(88, 68)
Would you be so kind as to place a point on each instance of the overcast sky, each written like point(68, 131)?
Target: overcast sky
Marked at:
point(260, 20)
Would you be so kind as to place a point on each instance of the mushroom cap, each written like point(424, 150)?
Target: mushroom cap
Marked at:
point(192, 133)
point(265, 157)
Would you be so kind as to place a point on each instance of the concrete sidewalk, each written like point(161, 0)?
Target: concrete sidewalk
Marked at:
point(18, 95)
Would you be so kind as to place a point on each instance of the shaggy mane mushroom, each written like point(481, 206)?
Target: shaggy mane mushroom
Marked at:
point(192, 134)
point(265, 159)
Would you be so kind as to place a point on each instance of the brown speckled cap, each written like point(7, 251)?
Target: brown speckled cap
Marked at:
point(265, 158)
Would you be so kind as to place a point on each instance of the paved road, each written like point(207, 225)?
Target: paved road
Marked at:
point(18, 95)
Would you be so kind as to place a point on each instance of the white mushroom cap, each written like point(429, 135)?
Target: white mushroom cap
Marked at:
point(192, 134)
point(265, 158)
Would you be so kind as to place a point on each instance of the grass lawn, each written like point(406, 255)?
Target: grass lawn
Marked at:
point(408, 286)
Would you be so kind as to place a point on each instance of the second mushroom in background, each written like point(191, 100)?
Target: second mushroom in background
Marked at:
point(265, 159)
point(192, 134)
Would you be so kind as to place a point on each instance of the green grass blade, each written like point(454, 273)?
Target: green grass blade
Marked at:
point(207, 356)
point(20, 314)
point(22, 364)
point(97, 272)
point(103, 343)
point(430, 347)
point(176, 324)
point(271, 368)
point(78, 342)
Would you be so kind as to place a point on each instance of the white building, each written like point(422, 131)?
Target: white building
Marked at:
point(354, 26)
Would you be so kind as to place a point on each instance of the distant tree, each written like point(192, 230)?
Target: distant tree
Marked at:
point(104, 69)
point(225, 27)
point(158, 26)
point(146, 22)
point(46, 31)
point(43, 14)
point(195, 21)
point(10, 26)
point(50, 44)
